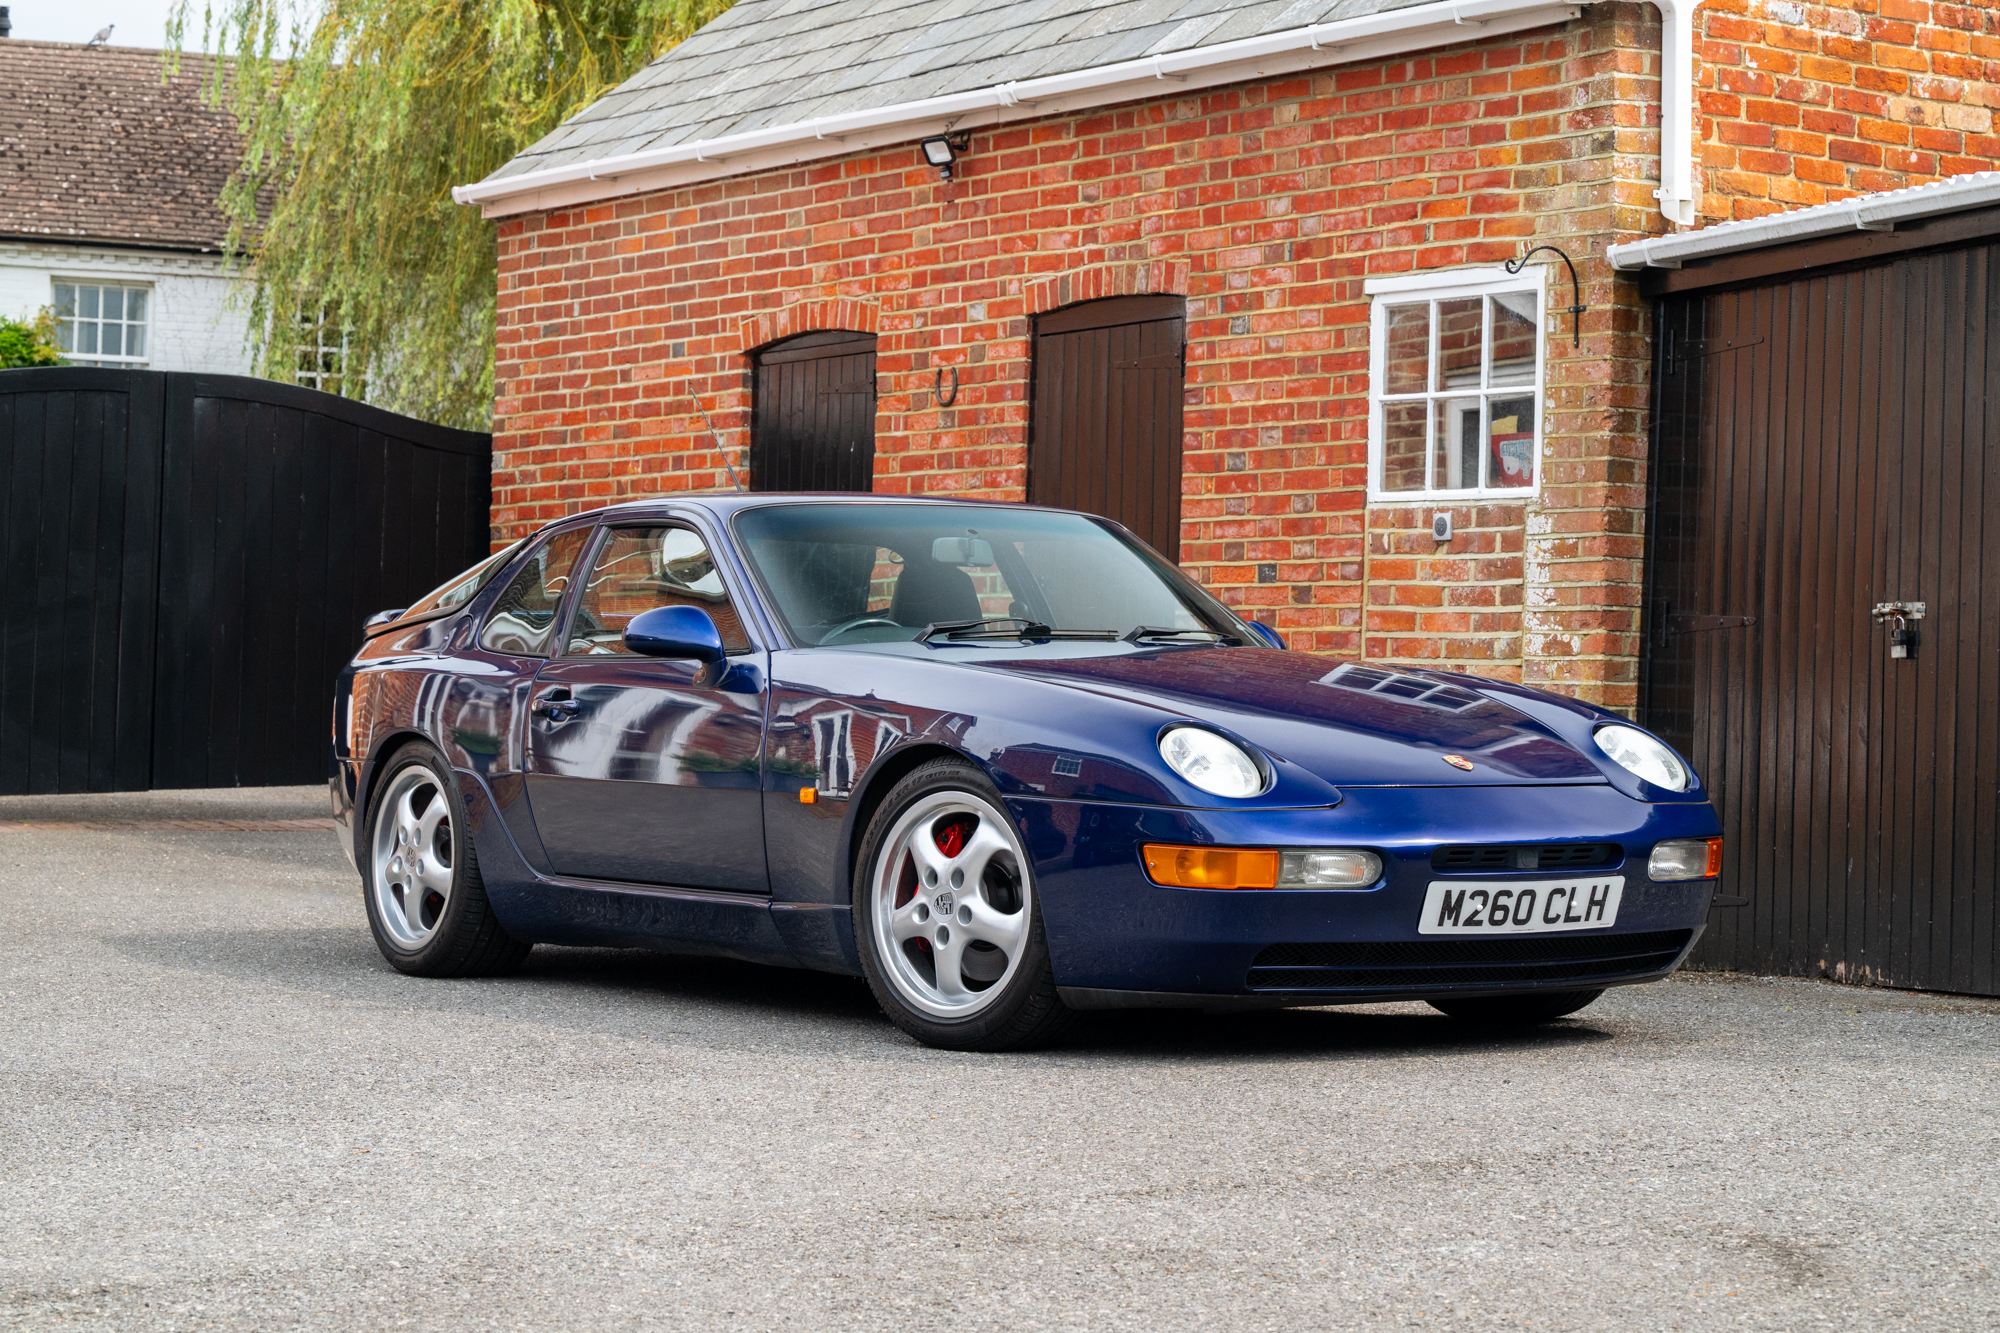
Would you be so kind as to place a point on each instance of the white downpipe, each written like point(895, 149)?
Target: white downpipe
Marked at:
point(1676, 192)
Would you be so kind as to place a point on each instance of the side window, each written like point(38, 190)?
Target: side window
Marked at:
point(523, 619)
point(638, 569)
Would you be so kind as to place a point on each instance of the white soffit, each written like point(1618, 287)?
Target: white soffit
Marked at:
point(1868, 212)
point(1371, 37)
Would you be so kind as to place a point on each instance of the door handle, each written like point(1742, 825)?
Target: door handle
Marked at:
point(557, 706)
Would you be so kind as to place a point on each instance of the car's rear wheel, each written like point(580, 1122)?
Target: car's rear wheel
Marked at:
point(1517, 1010)
point(947, 919)
point(426, 901)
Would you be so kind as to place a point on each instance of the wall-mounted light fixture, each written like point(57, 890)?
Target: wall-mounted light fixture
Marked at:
point(942, 150)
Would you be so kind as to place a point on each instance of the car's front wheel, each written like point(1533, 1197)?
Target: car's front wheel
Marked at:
point(947, 919)
point(426, 901)
point(1517, 1010)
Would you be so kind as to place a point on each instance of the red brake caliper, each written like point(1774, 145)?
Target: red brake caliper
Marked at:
point(951, 838)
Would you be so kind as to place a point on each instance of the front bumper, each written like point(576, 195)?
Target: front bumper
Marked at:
point(1116, 939)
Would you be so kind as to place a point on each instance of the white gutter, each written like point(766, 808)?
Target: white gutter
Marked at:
point(1676, 192)
point(1868, 212)
point(1370, 37)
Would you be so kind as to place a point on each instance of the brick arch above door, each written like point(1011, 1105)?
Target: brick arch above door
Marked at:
point(811, 316)
point(1094, 282)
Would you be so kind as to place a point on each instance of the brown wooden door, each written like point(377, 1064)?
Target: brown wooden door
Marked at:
point(1823, 445)
point(812, 424)
point(1106, 429)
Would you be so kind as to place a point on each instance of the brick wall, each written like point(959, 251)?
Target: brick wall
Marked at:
point(1807, 103)
point(1266, 206)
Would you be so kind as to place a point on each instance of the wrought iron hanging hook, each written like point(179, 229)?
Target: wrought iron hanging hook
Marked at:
point(937, 386)
point(1575, 288)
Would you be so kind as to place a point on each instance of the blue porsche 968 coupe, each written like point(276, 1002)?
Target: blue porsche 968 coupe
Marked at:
point(1005, 762)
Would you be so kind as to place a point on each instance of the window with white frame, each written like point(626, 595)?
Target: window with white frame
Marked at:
point(1455, 384)
point(322, 354)
point(102, 324)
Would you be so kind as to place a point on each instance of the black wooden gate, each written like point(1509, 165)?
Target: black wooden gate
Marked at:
point(812, 422)
point(1823, 445)
point(1105, 435)
point(189, 560)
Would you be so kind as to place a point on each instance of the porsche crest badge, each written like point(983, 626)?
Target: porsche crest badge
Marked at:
point(1459, 761)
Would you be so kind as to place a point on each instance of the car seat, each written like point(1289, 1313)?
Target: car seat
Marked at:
point(928, 593)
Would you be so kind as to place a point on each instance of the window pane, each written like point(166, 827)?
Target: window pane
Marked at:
point(87, 302)
point(640, 569)
point(66, 299)
point(1513, 437)
point(135, 305)
point(524, 615)
point(110, 345)
point(1457, 443)
point(1460, 331)
point(1406, 352)
point(1513, 339)
point(1403, 446)
point(86, 338)
point(65, 336)
point(135, 340)
point(114, 303)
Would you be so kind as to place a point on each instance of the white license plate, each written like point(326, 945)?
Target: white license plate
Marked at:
point(1520, 907)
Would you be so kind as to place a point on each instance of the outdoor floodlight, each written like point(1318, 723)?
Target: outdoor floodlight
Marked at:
point(943, 149)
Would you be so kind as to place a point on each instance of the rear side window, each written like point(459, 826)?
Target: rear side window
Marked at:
point(464, 587)
point(523, 619)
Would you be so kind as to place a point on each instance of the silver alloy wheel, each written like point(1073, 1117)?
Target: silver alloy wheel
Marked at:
point(412, 857)
point(950, 909)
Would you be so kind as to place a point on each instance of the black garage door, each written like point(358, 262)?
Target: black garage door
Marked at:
point(1827, 444)
point(813, 421)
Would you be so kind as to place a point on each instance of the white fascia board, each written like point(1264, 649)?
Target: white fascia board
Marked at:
point(1868, 212)
point(1468, 279)
point(1349, 41)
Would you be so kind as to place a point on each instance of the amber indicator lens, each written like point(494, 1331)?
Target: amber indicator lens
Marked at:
point(1686, 858)
point(1261, 867)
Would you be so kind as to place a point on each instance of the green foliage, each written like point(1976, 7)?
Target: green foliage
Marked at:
point(29, 342)
point(358, 117)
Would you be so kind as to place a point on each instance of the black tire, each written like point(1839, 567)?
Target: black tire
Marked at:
point(1026, 1011)
point(1516, 1010)
point(465, 939)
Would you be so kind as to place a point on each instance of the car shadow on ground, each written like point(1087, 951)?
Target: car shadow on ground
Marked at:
point(730, 1002)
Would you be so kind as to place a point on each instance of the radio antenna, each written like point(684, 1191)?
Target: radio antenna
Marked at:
point(738, 481)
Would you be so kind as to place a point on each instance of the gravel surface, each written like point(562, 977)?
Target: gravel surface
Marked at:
point(220, 1109)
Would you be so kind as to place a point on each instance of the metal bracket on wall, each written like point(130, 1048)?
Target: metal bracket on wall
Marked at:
point(1575, 288)
point(937, 386)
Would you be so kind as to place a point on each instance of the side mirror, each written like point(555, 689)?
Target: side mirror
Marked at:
point(1270, 636)
point(675, 631)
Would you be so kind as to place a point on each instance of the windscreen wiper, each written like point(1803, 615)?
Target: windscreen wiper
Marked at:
point(965, 629)
point(1138, 632)
point(991, 629)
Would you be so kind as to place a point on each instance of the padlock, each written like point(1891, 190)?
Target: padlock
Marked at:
point(1900, 639)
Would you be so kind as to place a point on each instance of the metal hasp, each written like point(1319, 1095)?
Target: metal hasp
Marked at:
point(1902, 638)
point(1575, 288)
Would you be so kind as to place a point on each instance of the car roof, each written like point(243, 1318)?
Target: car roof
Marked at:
point(723, 504)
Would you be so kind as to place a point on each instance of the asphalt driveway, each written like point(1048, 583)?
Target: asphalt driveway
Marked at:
point(220, 1109)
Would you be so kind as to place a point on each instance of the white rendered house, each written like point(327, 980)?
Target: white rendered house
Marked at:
point(109, 180)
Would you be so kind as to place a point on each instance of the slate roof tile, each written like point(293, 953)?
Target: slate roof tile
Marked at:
point(766, 63)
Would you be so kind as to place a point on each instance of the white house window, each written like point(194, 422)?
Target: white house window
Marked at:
point(99, 324)
point(1455, 384)
point(322, 353)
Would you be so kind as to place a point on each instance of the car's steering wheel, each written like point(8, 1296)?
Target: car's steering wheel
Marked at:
point(859, 622)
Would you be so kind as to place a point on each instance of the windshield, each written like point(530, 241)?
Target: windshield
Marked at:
point(874, 573)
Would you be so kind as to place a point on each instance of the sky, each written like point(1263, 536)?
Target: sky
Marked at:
point(139, 22)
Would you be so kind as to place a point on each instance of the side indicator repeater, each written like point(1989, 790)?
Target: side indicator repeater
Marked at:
point(808, 795)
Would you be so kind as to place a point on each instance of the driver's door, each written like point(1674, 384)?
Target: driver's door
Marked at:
point(642, 770)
